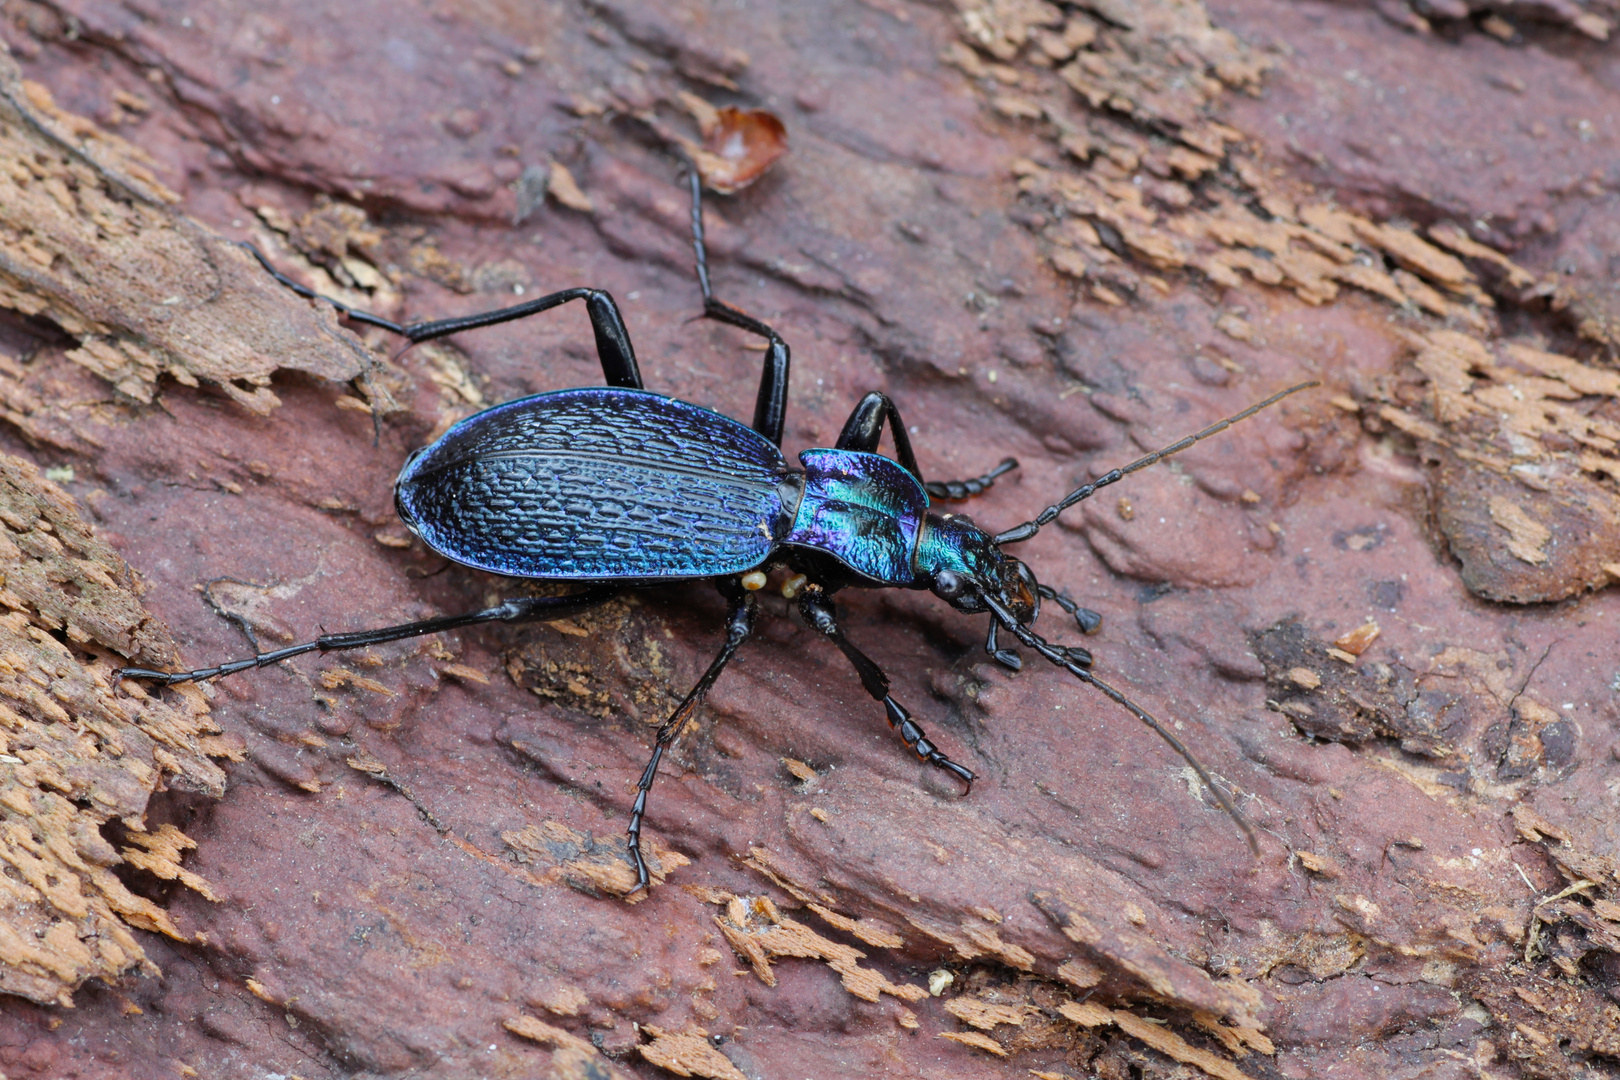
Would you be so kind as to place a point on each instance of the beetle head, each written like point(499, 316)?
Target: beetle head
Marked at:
point(961, 564)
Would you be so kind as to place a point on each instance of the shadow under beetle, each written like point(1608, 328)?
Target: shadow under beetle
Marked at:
point(613, 487)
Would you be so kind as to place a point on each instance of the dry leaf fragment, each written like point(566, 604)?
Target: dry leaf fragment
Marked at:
point(738, 147)
point(562, 187)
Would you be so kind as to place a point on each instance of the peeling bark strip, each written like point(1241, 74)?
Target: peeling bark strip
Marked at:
point(760, 933)
point(89, 239)
point(75, 754)
point(1161, 1039)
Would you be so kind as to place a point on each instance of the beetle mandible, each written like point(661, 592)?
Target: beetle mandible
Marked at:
point(613, 487)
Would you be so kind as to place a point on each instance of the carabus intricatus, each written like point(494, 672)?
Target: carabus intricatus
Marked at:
point(613, 487)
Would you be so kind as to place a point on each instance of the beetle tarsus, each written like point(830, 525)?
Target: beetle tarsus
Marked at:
point(1084, 617)
point(966, 489)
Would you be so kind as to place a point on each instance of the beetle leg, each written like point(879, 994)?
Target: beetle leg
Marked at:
point(864, 430)
point(613, 346)
point(819, 612)
point(523, 607)
point(1005, 657)
point(966, 489)
point(739, 624)
point(770, 406)
point(1085, 618)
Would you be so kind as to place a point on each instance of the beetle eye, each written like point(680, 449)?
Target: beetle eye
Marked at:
point(949, 585)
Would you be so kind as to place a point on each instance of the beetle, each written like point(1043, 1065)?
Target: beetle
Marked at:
point(614, 487)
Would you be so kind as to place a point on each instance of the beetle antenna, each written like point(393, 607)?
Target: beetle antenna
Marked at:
point(1085, 491)
point(1056, 656)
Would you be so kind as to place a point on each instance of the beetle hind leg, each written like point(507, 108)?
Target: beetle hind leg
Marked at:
point(516, 610)
point(739, 624)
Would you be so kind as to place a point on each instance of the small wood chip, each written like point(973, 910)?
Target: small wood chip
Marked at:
point(985, 1014)
point(546, 1034)
point(688, 1054)
point(974, 1039)
point(1527, 537)
point(799, 768)
point(1341, 655)
point(463, 672)
point(1154, 1036)
point(1305, 677)
point(1358, 640)
point(1318, 864)
point(1235, 327)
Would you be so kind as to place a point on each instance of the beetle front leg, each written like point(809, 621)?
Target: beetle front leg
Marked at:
point(739, 624)
point(1087, 620)
point(966, 489)
point(1005, 657)
point(863, 431)
point(819, 612)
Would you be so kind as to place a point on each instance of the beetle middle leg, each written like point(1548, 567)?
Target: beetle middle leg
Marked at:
point(819, 612)
point(613, 346)
point(864, 430)
point(739, 624)
point(770, 406)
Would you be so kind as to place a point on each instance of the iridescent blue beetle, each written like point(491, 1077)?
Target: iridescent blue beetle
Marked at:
point(613, 487)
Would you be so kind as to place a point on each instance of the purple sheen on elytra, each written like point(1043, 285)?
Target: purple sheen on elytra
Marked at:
point(598, 483)
point(863, 509)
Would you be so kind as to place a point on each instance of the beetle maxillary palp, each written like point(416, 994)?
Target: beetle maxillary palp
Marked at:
point(791, 587)
point(754, 580)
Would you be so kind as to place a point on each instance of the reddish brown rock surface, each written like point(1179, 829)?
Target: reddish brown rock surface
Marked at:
point(1069, 233)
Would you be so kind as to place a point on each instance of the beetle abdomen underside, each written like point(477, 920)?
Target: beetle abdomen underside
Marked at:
point(601, 483)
